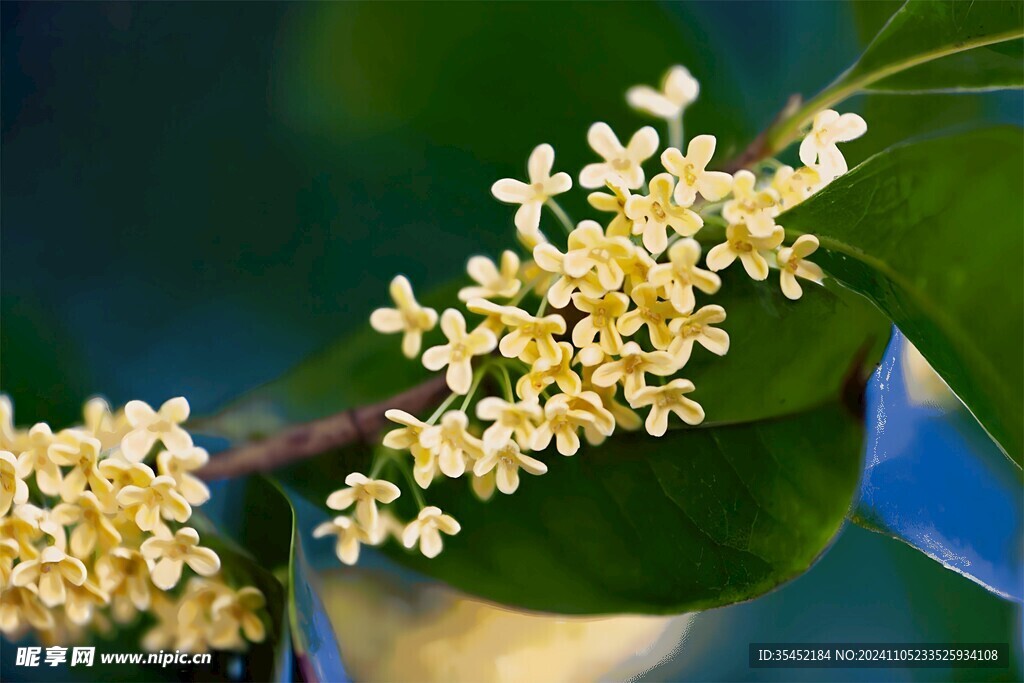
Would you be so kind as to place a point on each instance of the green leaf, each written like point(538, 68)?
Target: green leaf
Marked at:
point(927, 46)
point(931, 233)
point(698, 518)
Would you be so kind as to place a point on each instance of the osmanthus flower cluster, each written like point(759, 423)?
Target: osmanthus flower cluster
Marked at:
point(94, 527)
point(569, 341)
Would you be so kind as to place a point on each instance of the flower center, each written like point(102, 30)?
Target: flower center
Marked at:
point(633, 363)
point(742, 246)
point(621, 164)
point(650, 316)
point(159, 426)
point(689, 175)
point(692, 329)
point(658, 211)
point(459, 352)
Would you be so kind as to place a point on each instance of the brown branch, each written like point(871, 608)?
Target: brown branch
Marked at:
point(360, 424)
point(313, 438)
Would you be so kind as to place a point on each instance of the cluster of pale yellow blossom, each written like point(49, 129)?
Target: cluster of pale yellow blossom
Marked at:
point(89, 532)
point(617, 315)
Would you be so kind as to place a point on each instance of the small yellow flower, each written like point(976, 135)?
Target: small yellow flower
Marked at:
point(603, 424)
point(171, 554)
point(459, 350)
point(506, 461)
point(697, 327)
point(679, 89)
point(623, 415)
point(164, 635)
point(632, 367)
point(668, 399)
point(22, 527)
point(792, 264)
point(20, 607)
point(532, 196)
point(654, 214)
point(590, 250)
point(819, 147)
point(424, 465)
point(649, 311)
point(177, 466)
point(76, 449)
point(9, 552)
point(426, 530)
point(526, 328)
point(37, 459)
point(794, 187)
point(48, 573)
point(549, 259)
point(349, 535)
point(149, 426)
point(407, 317)
point(82, 600)
point(121, 473)
point(13, 489)
point(749, 249)
point(544, 373)
point(408, 437)
point(11, 439)
point(620, 225)
point(103, 425)
point(681, 274)
point(452, 443)
point(756, 209)
point(364, 493)
point(692, 172)
point(159, 498)
point(518, 419)
point(619, 162)
point(492, 282)
point(123, 573)
point(92, 526)
point(408, 434)
point(638, 270)
point(600, 321)
point(562, 422)
point(237, 610)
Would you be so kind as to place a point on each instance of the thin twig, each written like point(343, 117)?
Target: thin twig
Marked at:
point(312, 438)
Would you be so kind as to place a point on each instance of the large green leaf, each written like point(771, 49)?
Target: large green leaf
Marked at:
point(937, 45)
point(698, 518)
point(927, 46)
point(931, 232)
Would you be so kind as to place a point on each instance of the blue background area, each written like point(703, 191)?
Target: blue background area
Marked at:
point(194, 197)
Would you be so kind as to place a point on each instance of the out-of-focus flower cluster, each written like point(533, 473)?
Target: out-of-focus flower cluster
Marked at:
point(615, 314)
point(94, 531)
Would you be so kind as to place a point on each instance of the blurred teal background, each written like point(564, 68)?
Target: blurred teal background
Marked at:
point(196, 196)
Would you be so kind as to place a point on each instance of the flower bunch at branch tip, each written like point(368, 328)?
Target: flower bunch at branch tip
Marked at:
point(571, 341)
point(94, 529)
